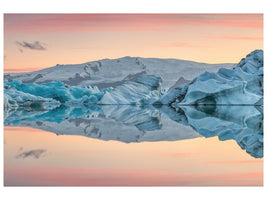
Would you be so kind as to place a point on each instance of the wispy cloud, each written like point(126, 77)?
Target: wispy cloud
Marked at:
point(33, 153)
point(182, 44)
point(16, 70)
point(234, 38)
point(33, 46)
point(237, 162)
point(181, 155)
point(81, 48)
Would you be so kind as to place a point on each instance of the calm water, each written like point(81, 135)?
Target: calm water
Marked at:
point(133, 146)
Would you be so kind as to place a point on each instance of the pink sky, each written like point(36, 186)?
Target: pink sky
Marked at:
point(78, 38)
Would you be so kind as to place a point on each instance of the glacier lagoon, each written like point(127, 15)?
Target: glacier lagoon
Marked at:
point(139, 111)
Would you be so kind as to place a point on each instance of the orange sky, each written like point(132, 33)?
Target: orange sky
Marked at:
point(78, 38)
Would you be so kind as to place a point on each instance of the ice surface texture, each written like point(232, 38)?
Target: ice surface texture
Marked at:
point(15, 98)
point(144, 90)
point(17, 92)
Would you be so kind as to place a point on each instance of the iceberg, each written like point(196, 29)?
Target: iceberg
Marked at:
point(57, 91)
point(144, 90)
point(15, 98)
point(242, 85)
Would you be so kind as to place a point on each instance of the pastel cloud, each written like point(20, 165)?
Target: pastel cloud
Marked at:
point(15, 70)
point(47, 23)
point(234, 38)
point(183, 45)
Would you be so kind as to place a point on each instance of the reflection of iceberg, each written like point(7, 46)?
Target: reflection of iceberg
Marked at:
point(137, 124)
point(123, 123)
point(241, 123)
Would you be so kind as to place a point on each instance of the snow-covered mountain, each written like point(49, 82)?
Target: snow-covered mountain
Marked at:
point(112, 72)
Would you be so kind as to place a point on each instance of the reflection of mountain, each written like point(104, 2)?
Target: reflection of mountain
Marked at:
point(137, 124)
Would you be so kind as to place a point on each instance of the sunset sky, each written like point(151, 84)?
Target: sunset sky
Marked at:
point(37, 41)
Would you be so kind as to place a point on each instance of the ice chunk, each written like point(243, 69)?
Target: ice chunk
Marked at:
point(15, 98)
point(145, 90)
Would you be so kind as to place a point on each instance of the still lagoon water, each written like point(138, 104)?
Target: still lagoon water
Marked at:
point(130, 146)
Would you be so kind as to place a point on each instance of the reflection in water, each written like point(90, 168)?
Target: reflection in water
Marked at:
point(128, 123)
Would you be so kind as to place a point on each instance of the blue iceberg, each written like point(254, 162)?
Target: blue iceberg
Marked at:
point(57, 91)
point(242, 85)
